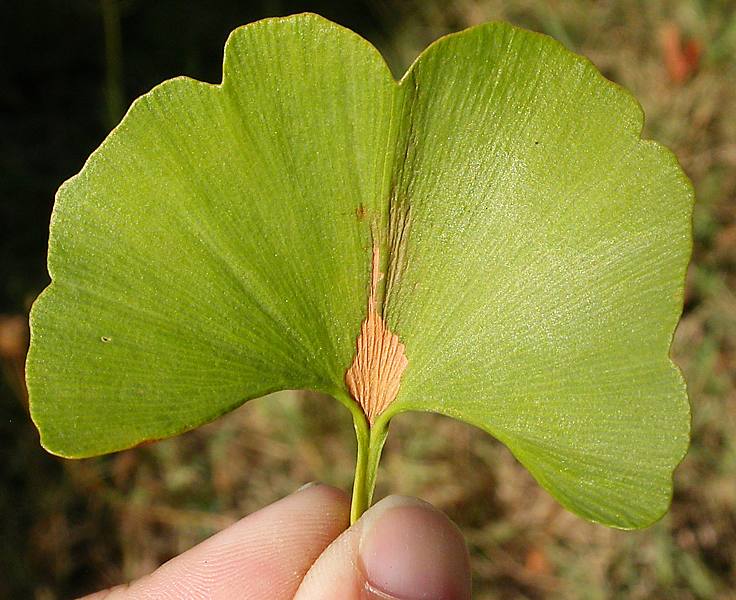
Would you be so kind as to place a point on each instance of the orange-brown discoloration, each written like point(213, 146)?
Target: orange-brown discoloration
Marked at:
point(374, 377)
point(360, 212)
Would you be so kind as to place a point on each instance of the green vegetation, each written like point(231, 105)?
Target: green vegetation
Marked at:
point(161, 498)
point(515, 252)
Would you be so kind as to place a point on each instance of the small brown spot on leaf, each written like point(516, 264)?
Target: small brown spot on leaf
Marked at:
point(374, 377)
point(360, 212)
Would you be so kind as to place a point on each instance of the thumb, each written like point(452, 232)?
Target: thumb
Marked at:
point(400, 549)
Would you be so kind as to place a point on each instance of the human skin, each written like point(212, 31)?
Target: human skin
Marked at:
point(302, 547)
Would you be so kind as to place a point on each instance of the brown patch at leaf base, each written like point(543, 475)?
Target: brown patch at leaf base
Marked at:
point(374, 377)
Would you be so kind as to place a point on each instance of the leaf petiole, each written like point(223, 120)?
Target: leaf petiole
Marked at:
point(370, 441)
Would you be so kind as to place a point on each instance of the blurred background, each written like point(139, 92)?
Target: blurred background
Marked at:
point(68, 71)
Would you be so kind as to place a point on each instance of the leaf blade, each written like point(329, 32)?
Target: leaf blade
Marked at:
point(544, 271)
point(183, 241)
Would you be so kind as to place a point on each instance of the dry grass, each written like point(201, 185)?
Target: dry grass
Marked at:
point(97, 522)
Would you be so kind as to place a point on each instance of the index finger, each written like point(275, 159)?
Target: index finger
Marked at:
point(263, 556)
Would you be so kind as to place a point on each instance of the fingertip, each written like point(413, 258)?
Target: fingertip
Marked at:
point(402, 549)
point(329, 495)
point(408, 549)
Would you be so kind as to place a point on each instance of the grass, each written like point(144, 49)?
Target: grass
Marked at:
point(81, 525)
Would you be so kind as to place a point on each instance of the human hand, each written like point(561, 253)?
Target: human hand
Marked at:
point(301, 547)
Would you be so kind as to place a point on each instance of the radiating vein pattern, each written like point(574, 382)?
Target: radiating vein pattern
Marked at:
point(220, 245)
point(375, 375)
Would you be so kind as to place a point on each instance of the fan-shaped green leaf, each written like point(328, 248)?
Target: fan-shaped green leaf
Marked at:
point(227, 241)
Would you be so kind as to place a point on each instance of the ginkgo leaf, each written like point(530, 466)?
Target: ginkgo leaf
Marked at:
point(490, 239)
